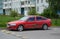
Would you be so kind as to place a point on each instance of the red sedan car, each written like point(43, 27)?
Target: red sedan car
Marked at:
point(29, 22)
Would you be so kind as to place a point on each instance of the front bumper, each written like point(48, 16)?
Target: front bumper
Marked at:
point(12, 28)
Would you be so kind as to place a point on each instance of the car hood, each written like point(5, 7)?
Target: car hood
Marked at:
point(18, 21)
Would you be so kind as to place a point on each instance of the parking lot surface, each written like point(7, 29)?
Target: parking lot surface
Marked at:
point(52, 33)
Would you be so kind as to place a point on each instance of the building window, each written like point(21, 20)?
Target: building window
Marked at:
point(10, 4)
point(5, 5)
point(10, 0)
point(28, 2)
point(25, 2)
point(5, 0)
point(41, 1)
point(22, 3)
point(37, 1)
point(37, 8)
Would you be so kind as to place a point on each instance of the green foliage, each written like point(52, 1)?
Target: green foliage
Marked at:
point(54, 4)
point(55, 22)
point(49, 13)
point(32, 11)
point(13, 13)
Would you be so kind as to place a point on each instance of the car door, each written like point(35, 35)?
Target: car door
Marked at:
point(30, 22)
point(39, 22)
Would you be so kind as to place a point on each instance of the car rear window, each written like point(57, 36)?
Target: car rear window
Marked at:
point(40, 18)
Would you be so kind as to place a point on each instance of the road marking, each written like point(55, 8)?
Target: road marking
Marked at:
point(13, 33)
point(24, 37)
point(3, 30)
point(20, 36)
point(8, 32)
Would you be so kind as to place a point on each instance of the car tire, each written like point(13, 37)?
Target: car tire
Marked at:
point(45, 27)
point(20, 28)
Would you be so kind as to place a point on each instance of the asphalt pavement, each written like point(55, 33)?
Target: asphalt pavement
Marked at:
point(52, 33)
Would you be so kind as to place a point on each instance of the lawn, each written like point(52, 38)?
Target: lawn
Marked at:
point(5, 19)
point(55, 22)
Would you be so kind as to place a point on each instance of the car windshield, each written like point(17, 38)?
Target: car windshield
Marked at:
point(24, 18)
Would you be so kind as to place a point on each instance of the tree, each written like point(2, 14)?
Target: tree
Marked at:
point(54, 4)
point(13, 13)
point(49, 13)
point(32, 11)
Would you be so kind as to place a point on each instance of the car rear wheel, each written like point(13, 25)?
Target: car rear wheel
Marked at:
point(45, 27)
point(20, 28)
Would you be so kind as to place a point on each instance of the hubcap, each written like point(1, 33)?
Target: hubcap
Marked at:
point(45, 27)
point(20, 28)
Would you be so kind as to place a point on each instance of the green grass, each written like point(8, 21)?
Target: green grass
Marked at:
point(55, 22)
point(5, 19)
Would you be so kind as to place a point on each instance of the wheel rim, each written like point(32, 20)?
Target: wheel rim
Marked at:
point(45, 27)
point(20, 28)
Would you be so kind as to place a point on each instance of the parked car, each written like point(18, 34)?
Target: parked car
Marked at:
point(30, 22)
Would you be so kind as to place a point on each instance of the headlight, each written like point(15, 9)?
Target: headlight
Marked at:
point(11, 24)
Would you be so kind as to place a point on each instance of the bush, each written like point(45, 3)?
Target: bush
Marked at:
point(49, 13)
point(32, 11)
point(3, 25)
point(13, 13)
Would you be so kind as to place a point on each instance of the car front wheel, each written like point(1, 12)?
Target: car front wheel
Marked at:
point(20, 28)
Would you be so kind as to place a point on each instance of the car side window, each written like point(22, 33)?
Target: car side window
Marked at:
point(31, 19)
point(38, 18)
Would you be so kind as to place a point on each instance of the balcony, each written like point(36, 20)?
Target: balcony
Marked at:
point(6, 2)
point(8, 7)
point(28, 5)
point(23, 0)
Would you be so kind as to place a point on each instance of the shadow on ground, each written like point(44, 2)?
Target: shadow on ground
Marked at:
point(29, 30)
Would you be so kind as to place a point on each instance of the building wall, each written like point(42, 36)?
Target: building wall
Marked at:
point(1, 7)
point(26, 4)
point(17, 5)
point(41, 5)
point(11, 4)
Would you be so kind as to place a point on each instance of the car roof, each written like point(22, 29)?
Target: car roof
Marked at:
point(34, 16)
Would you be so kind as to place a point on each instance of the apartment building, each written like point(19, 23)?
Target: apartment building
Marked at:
point(1, 7)
point(41, 5)
point(23, 6)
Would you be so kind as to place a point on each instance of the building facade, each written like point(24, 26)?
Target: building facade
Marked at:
point(23, 6)
point(1, 6)
point(41, 5)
